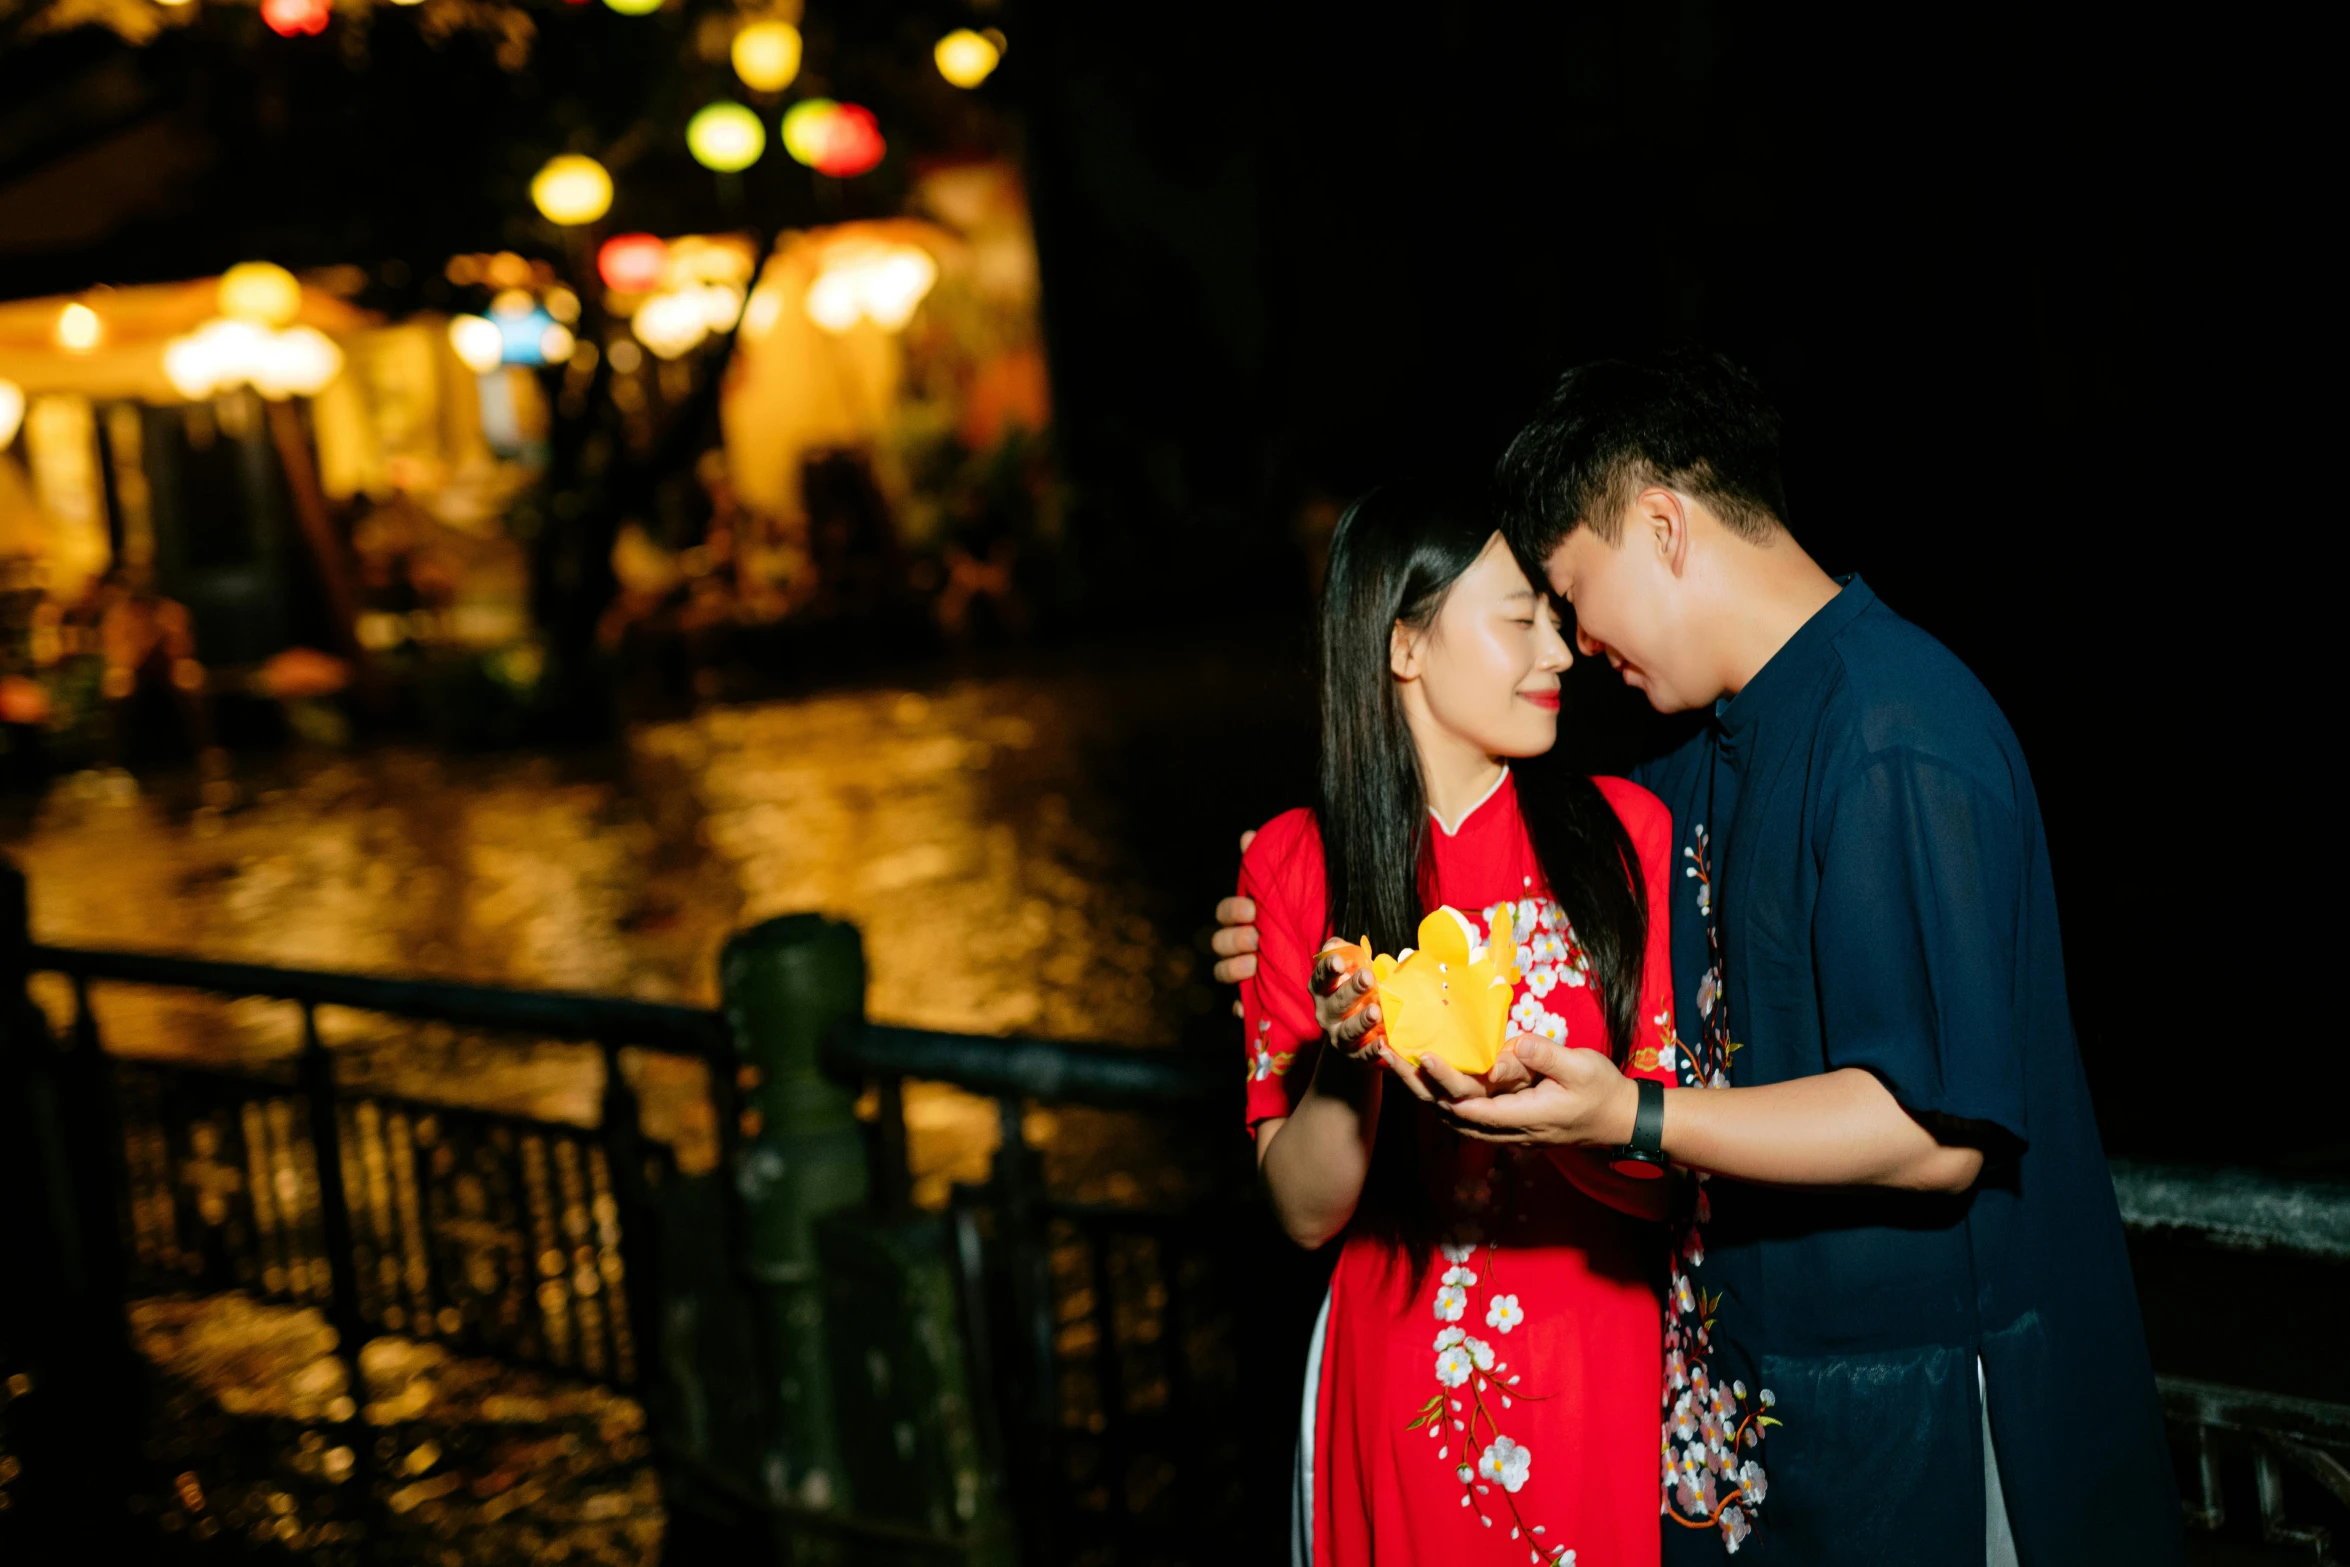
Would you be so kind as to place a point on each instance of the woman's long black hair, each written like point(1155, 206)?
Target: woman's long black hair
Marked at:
point(1394, 559)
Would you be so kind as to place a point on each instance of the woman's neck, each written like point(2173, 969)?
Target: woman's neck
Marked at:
point(1458, 776)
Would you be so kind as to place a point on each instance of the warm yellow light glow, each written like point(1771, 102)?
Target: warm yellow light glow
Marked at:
point(260, 291)
point(512, 302)
point(78, 329)
point(572, 190)
point(671, 324)
point(634, 7)
point(762, 312)
point(767, 55)
point(563, 305)
point(806, 127)
point(478, 342)
point(225, 353)
point(11, 411)
point(870, 280)
point(556, 344)
point(726, 137)
point(967, 58)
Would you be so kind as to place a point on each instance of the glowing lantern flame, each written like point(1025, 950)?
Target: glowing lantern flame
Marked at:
point(726, 137)
point(478, 343)
point(260, 291)
point(78, 329)
point(767, 55)
point(870, 281)
point(966, 58)
point(11, 411)
point(839, 139)
point(572, 190)
point(292, 18)
point(632, 263)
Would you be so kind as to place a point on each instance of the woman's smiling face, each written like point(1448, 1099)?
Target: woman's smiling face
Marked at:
point(1488, 665)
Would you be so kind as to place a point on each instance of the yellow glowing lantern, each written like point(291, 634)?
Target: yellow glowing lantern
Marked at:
point(967, 58)
point(635, 7)
point(78, 329)
point(572, 190)
point(1450, 998)
point(260, 291)
point(767, 55)
point(11, 411)
point(725, 136)
point(807, 128)
point(478, 342)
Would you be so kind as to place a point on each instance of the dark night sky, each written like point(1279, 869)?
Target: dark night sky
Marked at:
point(2034, 290)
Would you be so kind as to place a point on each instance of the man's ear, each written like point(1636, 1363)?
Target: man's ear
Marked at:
point(1660, 518)
point(1403, 652)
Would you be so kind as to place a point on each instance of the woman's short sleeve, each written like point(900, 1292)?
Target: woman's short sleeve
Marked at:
point(1649, 824)
point(1282, 872)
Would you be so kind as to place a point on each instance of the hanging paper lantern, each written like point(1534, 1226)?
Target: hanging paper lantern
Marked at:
point(259, 291)
point(767, 55)
point(572, 190)
point(967, 58)
point(726, 137)
point(839, 139)
point(807, 127)
point(635, 7)
point(291, 18)
point(632, 263)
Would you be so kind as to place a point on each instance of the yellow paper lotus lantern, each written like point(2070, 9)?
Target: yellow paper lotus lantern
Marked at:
point(572, 189)
point(966, 58)
point(1450, 997)
point(260, 291)
point(726, 137)
point(767, 55)
point(78, 328)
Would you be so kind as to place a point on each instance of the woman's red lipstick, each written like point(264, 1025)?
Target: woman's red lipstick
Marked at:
point(1548, 701)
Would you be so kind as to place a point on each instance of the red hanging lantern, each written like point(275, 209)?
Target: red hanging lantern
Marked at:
point(852, 143)
point(632, 263)
point(296, 18)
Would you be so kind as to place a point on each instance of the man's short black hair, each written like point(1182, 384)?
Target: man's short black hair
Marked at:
point(1687, 419)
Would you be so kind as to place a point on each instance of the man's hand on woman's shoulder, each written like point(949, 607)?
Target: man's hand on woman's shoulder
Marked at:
point(1235, 941)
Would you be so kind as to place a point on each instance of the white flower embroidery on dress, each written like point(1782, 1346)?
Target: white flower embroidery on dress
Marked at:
point(1263, 1061)
point(1505, 1461)
point(1541, 981)
point(1451, 1301)
point(1503, 1313)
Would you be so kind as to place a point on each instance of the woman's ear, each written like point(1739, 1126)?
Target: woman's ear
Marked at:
point(1404, 651)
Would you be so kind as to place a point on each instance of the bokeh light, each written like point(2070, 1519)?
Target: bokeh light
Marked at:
point(632, 263)
point(478, 343)
point(726, 137)
point(225, 352)
point(296, 18)
point(11, 411)
point(78, 328)
point(870, 281)
point(635, 7)
point(966, 58)
point(260, 291)
point(839, 139)
point(671, 324)
point(767, 55)
point(572, 189)
point(806, 127)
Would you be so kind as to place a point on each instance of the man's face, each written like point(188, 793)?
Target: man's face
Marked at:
point(1630, 607)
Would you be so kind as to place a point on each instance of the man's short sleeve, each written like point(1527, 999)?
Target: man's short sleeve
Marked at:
point(1914, 938)
point(1282, 871)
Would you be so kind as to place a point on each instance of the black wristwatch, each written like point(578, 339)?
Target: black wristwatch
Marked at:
point(1643, 1158)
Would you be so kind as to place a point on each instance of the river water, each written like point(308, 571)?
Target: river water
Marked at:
point(1032, 852)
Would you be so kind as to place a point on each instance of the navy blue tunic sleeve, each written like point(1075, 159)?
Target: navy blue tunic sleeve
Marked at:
point(1914, 938)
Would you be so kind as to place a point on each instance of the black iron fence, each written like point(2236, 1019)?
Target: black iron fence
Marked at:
point(829, 1373)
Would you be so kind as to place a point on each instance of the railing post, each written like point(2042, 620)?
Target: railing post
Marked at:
point(1036, 1452)
point(75, 1427)
point(787, 984)
point(317, 1076)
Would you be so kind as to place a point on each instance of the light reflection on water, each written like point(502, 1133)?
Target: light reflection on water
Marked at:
point(959, 829)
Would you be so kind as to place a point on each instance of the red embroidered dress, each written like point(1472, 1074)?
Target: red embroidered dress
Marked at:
point(1503, 1408)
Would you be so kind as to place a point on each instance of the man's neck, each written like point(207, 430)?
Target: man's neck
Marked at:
point(1763, 595)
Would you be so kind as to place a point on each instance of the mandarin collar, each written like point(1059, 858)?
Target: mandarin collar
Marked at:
point(1787, 675)
point(1505, 785)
